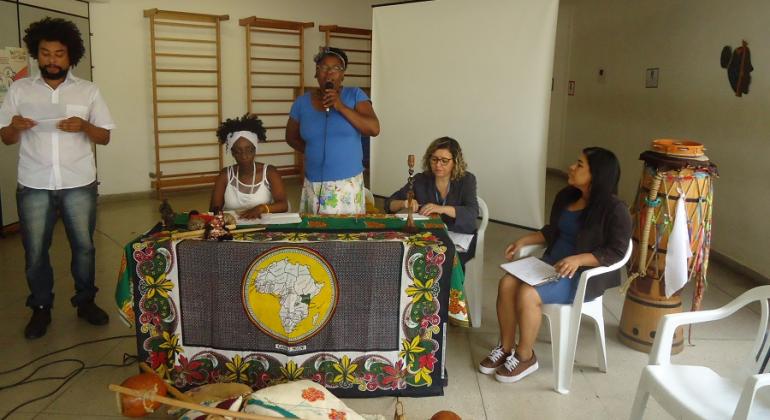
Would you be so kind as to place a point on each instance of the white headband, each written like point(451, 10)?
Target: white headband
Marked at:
point(327, 51)
point(248, 135)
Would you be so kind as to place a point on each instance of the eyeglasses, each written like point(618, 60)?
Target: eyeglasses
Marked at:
point(436, 160)
point(332, 69)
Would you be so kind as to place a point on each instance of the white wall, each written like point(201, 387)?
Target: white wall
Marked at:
point(476, 71)
point(68, 6)
point(559, 87)
point(121, 57)
point(684, 39)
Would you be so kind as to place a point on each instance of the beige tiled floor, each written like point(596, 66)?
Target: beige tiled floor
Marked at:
point(594, 395)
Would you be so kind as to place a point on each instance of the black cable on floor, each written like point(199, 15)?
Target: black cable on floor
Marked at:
point(81, 366)
point(83, 343)
point(25, 380)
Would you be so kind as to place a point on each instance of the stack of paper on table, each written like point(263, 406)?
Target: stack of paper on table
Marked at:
point(531, 270)
point(270, 219)
point(415, 216)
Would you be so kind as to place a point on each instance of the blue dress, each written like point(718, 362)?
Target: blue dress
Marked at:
point(563, 290)
point(333, 148)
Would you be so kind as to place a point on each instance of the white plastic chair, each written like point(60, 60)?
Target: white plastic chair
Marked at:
point(564, 322)
point(474, 269)
point(697, 392)
point(369, 197)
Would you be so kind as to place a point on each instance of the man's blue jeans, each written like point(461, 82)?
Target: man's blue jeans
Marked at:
point(38, 212)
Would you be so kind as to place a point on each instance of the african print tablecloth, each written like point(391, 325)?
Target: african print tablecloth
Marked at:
point(362, 312)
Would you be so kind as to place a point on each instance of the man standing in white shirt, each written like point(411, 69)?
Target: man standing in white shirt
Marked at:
point(56, 117)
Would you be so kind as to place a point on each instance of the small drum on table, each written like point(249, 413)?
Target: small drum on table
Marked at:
point(672, 168)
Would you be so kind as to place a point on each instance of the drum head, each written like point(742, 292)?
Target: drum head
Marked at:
point(679, 148)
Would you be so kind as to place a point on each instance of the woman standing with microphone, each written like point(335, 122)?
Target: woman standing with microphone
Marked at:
point(327, 125)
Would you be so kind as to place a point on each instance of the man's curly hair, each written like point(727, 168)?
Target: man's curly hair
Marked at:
point(248, 122)
point(55, 29)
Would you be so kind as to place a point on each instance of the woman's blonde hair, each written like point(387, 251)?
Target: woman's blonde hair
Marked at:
point(448, 143)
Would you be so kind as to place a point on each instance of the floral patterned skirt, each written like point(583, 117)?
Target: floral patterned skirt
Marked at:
point(344, 196)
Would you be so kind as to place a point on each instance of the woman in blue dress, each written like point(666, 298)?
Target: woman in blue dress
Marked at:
point(588, 227)
point(327, 125)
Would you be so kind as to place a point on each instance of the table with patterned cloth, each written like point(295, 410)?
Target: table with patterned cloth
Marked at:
point(353, 303)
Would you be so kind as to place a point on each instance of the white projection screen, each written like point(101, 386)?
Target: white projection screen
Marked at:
point(478, 71)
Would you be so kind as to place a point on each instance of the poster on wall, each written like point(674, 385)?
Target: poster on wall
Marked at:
point(13, 66)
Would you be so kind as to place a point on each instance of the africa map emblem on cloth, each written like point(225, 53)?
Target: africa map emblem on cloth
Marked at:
point(290, 293)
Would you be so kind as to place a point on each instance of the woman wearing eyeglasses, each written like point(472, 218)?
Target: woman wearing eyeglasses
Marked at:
point(327, 125)
point(444, 187)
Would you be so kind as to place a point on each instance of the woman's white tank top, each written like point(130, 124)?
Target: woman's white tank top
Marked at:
point(240, 196)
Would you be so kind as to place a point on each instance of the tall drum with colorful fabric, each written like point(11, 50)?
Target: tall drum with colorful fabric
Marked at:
point(672, 169)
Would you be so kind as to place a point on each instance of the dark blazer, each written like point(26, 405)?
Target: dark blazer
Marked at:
point(461, 196)
point(607, 239)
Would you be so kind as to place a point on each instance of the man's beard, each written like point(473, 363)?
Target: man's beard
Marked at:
point(61, 74)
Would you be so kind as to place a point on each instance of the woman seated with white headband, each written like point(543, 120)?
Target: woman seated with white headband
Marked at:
point(249, 188)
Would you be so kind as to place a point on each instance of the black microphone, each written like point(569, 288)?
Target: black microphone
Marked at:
point(328, 85)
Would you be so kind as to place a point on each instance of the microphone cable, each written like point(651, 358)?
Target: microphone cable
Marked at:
point(328, 85)
point(323, 164)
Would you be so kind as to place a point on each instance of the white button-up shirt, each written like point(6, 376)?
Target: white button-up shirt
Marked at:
point(49, 158)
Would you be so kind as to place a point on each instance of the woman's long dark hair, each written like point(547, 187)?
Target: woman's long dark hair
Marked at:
point(605, 176)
